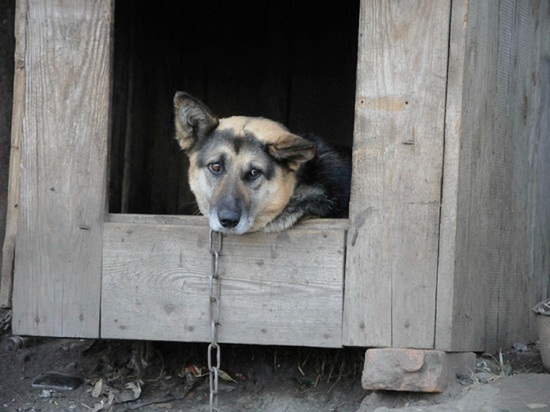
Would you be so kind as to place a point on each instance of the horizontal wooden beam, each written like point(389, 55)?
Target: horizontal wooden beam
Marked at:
point(277, 289)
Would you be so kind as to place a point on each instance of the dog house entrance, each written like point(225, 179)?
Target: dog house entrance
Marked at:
point(282, 60)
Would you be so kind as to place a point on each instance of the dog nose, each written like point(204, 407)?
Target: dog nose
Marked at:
point(229, 219)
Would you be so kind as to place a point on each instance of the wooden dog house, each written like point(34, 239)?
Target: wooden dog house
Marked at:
point(447, 243)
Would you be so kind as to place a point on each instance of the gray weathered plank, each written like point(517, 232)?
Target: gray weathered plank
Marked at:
point(8, 248)
point(516, 147)
point(398, 147)
point(309, 224)
point(540, 170)
point(495, 216)
point(281, 289)
point(461, 22)
point(65, 128)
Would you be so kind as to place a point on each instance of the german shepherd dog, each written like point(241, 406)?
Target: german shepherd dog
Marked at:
point(250, 173)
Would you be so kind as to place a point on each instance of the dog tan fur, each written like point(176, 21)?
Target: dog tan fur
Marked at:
point(246, 172)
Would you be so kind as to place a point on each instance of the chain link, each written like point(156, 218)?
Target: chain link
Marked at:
point(214, 351)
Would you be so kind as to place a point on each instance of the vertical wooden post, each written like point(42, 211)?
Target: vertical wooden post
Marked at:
point(391, 269)
point(8, 248)
point(495, 223)
point(65, 128)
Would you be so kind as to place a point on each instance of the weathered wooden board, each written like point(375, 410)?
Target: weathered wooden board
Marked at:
point(472, 53)
point(8, 242)
point(65, 128)
point(495, 216)
point(515, 148)
point(446, 292)
point(398, 153)
point(277, 289)
point(540, 193)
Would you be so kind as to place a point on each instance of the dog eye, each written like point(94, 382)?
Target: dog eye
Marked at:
point(215, 167)
point(254, 173)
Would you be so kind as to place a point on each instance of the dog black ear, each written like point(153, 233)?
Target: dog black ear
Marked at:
point(293, 150)
point(193, 120)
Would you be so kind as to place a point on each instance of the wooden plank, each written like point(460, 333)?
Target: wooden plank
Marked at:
point(277, 289)
point(462, 21)
point(398, 147)
point(465, 273)
point(494, 231)
point(540, 192)
point(10, 235)
point(307, 224)
point(517, 91)
point(66, 103)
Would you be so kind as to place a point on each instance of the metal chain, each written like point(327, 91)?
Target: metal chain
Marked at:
point(214, 247)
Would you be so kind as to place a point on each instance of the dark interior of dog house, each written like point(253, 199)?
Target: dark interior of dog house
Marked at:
point(286, 60)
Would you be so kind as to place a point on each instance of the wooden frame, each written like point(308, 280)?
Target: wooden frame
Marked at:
point(449, 215)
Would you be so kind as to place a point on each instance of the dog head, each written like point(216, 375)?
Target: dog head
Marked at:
point(242, 169)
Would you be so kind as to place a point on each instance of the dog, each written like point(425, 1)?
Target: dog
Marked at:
point(251, 174)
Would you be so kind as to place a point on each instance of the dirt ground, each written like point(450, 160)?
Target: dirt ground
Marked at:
point(37, 374)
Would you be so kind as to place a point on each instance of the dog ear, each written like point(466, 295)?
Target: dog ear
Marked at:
point(293, 150)
point(193, 120)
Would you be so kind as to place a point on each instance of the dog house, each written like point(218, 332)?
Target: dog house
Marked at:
point(445, 106)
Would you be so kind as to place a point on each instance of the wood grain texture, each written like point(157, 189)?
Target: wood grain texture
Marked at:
point(8, 248)
point(277, 289)
point(446, 288)
point(520, 81)
point(494, 231)
point(398, 154)
point(540, 171)
point(65, 130)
